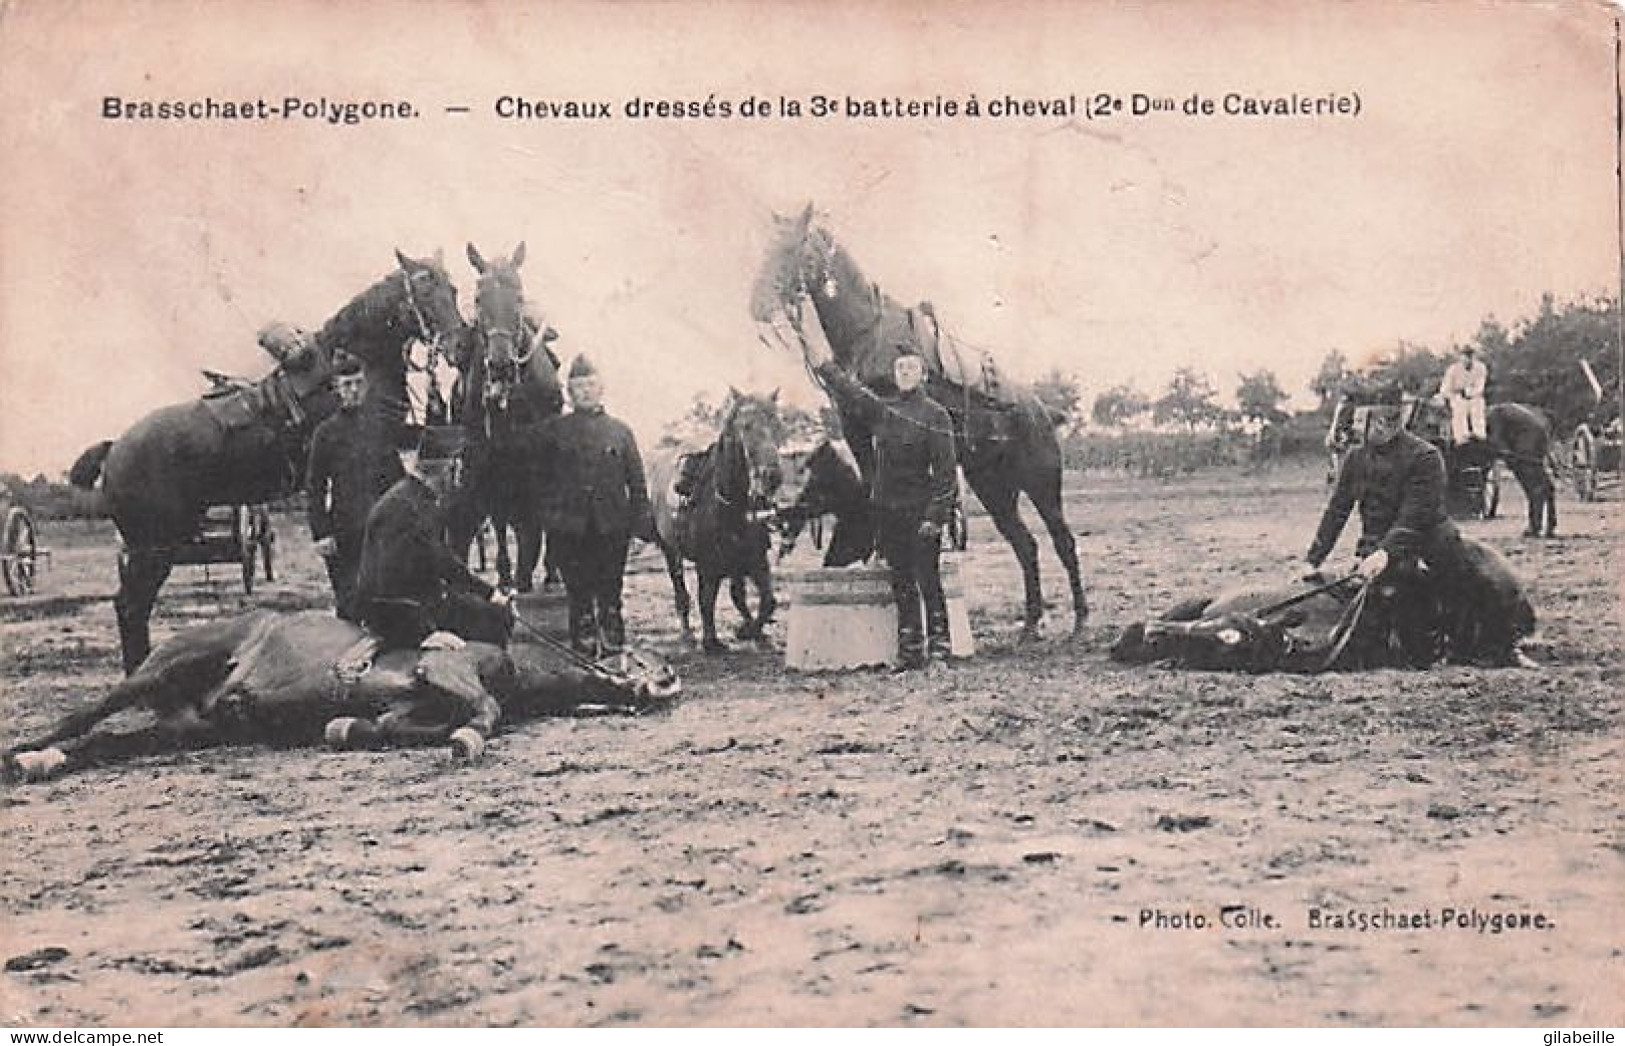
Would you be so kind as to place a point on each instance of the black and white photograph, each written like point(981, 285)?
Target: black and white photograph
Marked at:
point(671, 513)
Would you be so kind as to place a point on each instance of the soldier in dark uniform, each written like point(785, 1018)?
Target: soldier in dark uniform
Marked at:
point(916, 482)
point(352, 462)
point(1429, 580)
point(410, 583)
point(598, 501)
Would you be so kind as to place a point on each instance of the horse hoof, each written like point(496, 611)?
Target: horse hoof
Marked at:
point(713, 645)
point(37, 766)
point(337, 734)
point(466, 743)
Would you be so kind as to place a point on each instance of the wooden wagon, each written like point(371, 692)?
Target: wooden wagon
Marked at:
point(236, 534)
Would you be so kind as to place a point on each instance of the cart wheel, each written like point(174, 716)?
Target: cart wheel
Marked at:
point(21, 552)
point(1583, 461)
point(243, 530)
point(1490, 496)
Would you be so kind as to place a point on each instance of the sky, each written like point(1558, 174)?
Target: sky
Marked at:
point(1478, 175)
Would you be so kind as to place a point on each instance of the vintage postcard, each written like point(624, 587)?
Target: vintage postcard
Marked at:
point(1022, 514)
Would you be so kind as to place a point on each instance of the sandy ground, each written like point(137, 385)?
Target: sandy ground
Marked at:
point(983, 846)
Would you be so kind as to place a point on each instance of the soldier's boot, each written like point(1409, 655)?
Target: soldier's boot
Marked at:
point(939, 644)
point(583, 631)
point(910, 649)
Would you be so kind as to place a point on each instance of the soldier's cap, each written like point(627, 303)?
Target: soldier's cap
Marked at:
point(582, 367)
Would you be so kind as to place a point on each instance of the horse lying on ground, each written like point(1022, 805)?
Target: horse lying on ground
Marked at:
point(1316, 625)
point(269, 678)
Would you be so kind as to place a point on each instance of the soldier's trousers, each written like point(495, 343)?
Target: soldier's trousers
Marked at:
point(343, 570)
point(916, 578)
point(594, 569)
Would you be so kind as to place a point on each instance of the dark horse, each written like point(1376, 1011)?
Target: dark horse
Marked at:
point(267, 678)
point(834, 486)
point(1318, 625)
point(1521, 436)
point(249, 444)
point(720, 524)
point(508, 389)
point(1006, 443)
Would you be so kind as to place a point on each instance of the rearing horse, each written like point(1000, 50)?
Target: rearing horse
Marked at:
point(1005, 448)
point(249, 445)
point(721, 528)
point(509, 389)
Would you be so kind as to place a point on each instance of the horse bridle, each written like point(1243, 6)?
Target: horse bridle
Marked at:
point(729, 434)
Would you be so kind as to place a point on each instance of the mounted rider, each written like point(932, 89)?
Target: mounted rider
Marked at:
point(1462, 389)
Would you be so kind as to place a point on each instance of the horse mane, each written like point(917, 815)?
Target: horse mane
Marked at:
point(372, 308)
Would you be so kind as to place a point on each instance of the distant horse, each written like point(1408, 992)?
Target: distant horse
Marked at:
point(249, 445)
point(721, 527)
point(835, 487)
point(1006, 447)
point(508, 389)
point(1522, 437)
point(268, 678)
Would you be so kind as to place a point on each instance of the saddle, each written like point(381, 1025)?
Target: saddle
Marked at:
point(964, 367)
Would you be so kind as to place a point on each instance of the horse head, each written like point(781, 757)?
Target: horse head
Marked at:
point(506, 335)
point(804, 263)
point(748, 468)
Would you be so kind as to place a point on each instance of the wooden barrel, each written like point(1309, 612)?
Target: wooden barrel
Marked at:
point(845, 618)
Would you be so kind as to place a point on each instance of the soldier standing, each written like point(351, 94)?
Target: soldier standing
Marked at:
point(598, 502)
point(916, 482)
point(352, 463)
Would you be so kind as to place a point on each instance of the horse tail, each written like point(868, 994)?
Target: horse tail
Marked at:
point(84, 472)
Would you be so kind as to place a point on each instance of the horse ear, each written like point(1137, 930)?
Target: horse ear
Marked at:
point(439, 258)
point(806, 217)
point(519, 254)
point(775, 397)
point(406, 263)
point(475, 259)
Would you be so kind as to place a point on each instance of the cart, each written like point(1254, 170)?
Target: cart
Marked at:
point(1595, 459)
point(20, 554)
point(240, 534)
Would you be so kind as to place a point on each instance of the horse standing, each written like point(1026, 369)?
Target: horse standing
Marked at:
point(721, 528)
point(249, 445)
point(835, 487)
point(1005, 448)
point(1522, 437)
point(509, 390)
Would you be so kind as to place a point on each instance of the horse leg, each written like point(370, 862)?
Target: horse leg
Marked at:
point(550, 562)
point(710, 585)
point(1548, 487)
point(142, 572)
point(679, 588)
point(1045, 493)
point(998, 496)
point(179, 730)
point(1534, 495)
point(177, 675)
point(766, 604)
point(499, 526)
point(528, 535)
point(749, 627)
